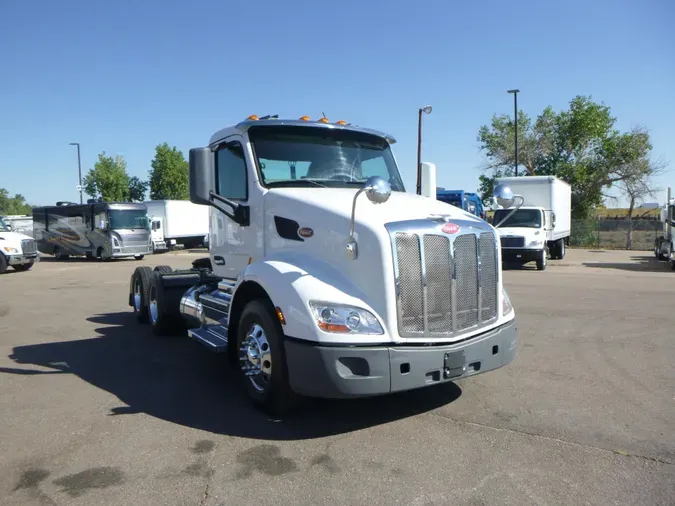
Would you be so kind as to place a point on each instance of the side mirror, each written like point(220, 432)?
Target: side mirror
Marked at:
point(552, 220)
point(202, 176)
point(377, 190)
point(428, 180)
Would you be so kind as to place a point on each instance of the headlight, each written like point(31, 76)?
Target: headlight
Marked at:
point(339, 319)
point(11, 251)
point(507, 307)
point(536, 242)
point(116, 242)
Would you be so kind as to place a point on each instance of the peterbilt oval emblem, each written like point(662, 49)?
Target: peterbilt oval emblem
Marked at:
point(450, 228)
point(306, 232)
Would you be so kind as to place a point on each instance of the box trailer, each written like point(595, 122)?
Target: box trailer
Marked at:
point(177, 223)
point(540, 227)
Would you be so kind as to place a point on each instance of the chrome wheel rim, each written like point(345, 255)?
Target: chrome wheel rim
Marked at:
point(137, 295)
point(152, 305)
point(255, 358)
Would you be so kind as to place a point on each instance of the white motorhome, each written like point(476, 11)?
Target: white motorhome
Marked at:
point(17, 250)
point(325, 277)
point(177, 223)
point(540, 227)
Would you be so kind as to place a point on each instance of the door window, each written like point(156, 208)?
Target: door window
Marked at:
point(231, 180)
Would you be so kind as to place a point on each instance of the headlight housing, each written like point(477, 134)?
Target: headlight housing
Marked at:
point(343, 319)
point(507, 307)
point(11, 251)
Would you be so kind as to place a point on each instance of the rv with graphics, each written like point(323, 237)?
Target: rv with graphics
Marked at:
point(325, 277)
point(101, 230)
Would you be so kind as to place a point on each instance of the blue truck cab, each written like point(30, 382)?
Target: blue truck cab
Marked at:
point(470, 202)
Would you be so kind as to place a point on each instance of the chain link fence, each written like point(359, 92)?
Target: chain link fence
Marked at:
point(616, 233)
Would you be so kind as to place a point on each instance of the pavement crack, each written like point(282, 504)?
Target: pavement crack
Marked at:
point(207, 485)
point(623, 453)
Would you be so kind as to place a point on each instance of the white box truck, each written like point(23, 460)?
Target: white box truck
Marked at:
point(177, 223)
point(325, 278)
point(540, 227)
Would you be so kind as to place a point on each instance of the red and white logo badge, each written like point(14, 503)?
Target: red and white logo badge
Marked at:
point(450, 228)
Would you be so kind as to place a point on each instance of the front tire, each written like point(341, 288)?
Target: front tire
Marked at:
point(262, 359)
point(23, 267)
point(542, 260)
point(3, 263)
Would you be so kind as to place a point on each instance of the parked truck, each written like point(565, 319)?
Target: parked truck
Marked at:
point(310, 289)
point(470, 202)
point(17, 250)
point(664, 246)
point(97, 229)
point(177, 223)
point(541, 228)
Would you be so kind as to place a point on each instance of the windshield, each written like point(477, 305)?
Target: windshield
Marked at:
point(3, 226)
point(525, 218)
point(302, 156)
point(453, 201)
point(128, 218)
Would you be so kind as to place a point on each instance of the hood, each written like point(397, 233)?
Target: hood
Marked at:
point(13, 237)
point(400, 206)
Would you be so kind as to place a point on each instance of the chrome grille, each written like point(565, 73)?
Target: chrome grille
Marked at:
point(28, 247)
point(444, 285)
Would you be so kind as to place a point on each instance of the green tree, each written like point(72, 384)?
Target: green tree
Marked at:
point(169, 174)
point(13, 205)
point(137, 189)
point(108, 179)
point(579, 145)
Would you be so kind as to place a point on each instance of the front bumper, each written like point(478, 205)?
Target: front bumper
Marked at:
point(131, 251)
point(521, 254)
point(23, 259)
point(341, 372)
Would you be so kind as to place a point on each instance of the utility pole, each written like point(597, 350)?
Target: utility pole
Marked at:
point(426, 110)
point(79, 168)
point(515, 122)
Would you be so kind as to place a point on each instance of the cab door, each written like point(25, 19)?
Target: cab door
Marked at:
point(232, 244)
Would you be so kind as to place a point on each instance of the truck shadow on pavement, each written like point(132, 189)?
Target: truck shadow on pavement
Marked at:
point(176, 380)
point(636, 264)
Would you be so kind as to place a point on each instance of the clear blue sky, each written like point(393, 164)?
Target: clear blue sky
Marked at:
point(124, 76)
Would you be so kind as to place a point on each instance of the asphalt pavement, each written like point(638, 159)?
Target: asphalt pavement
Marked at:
point(95, 410)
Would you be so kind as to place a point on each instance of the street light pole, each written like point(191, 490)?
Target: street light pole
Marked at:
point(79, 167)
point(426, 110)
point(515, 125)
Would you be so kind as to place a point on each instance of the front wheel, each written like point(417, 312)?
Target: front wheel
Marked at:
point(262, 359)
point(139, 257)
point(542, 260)
point(23, 267)
point(3, 263)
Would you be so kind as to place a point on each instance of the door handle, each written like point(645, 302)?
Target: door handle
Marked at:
point(218, 260)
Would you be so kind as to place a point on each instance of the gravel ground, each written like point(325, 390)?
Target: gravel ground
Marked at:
point(95, 410)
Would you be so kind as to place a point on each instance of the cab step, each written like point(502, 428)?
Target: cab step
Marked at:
point(214, 337)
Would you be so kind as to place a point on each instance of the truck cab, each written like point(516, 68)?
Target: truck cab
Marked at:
point(325, 277)
point(17, 250)
point(470, 202)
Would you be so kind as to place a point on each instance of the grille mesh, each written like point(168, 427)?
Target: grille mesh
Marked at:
point(488, 276)
point(28, 246)
point(410, 282)
point(438, 270)
point(449, 285)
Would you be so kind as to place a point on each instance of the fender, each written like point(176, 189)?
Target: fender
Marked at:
point(292, 281)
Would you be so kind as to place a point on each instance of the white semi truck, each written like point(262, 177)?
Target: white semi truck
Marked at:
point(177, 223)
point(539, 229)
point(664, 246)
point(324, 277)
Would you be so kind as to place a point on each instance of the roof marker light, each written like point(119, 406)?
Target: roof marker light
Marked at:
point(341, 122)
point(252, 117)
point(324, 120)
point(304, 118)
